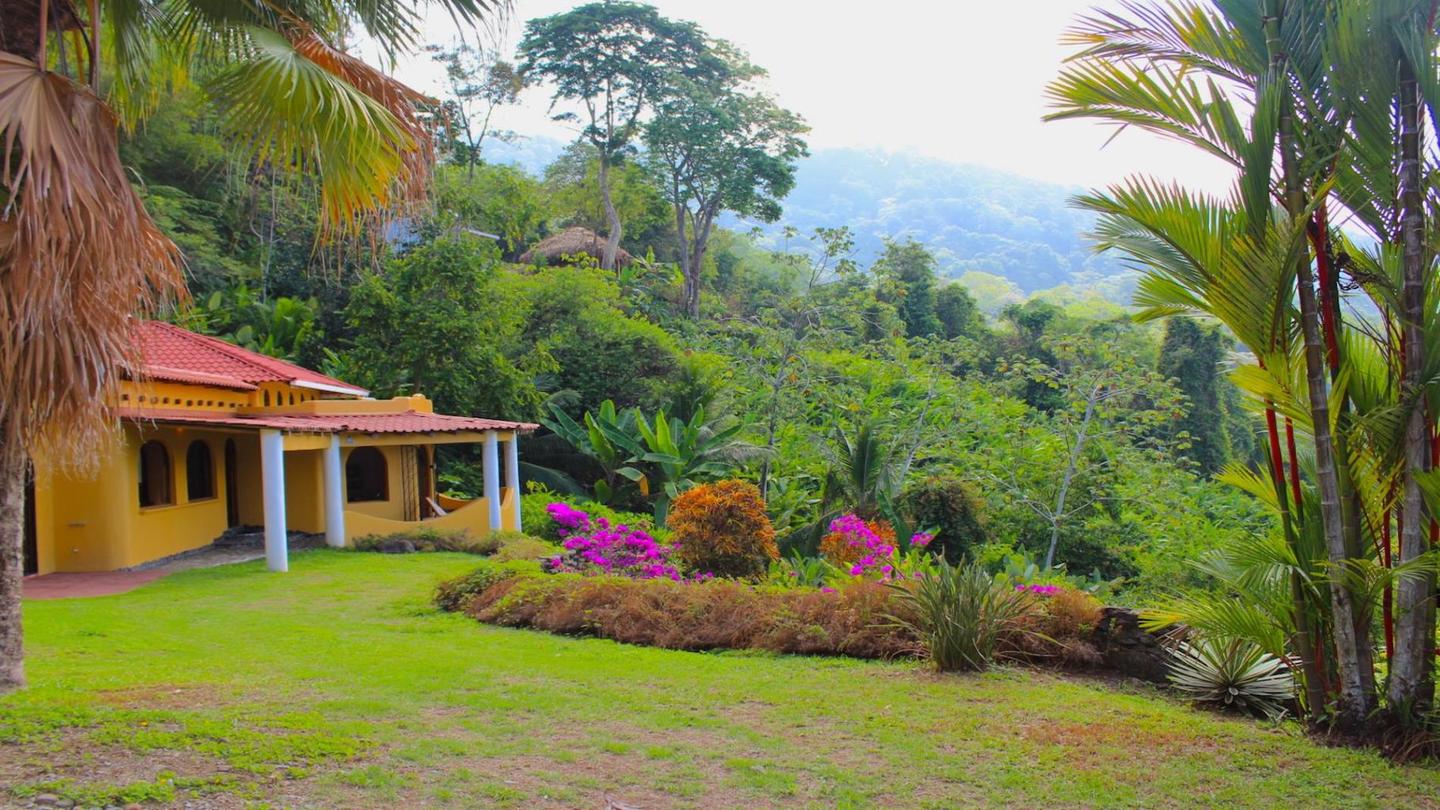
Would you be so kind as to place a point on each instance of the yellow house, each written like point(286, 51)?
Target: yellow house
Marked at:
point(214, 436)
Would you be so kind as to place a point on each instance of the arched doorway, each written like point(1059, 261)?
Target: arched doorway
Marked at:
point(232, 481)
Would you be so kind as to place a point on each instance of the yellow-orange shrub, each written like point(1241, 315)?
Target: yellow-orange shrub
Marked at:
point(722, 529)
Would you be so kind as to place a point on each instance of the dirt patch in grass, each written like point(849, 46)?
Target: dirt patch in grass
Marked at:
point(75, 765)
point(162, 696)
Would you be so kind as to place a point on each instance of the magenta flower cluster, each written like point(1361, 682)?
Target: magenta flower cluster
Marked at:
point(593, 545)
point(879, 554)
point(857, 534)
point(1040, 590)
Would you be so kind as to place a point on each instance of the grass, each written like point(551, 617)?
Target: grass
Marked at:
point(337, 685)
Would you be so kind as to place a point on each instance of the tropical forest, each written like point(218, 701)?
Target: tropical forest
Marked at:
point(829, 476)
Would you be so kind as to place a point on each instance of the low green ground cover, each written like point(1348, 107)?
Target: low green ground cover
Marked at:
point(339, 685)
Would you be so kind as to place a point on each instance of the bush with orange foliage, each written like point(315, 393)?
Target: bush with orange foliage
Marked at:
point(722, 529)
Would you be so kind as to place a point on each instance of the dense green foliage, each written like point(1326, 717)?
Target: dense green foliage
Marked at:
point(834, 382)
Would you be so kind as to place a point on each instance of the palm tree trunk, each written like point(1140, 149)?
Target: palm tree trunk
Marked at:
point(1304, 639)
point(1412, 686)
point(612, 216)
point(1351, 633)
point(12, 537)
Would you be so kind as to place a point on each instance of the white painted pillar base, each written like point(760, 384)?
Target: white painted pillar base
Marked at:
point(512, 475)
point(491, 469)
point(272, 472)
point(334, 495)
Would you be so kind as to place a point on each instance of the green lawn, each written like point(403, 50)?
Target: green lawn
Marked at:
point(338, 686)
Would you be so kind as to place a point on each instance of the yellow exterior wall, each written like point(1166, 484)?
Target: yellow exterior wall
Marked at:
point(94, 522)
point(250, 493)
point(305, 491)
point(473, 518)
point(396, 487)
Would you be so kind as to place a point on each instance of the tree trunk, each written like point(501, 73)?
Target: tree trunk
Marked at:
point(1304, 639)
point(1351, 634)
point(1070, 467)
point(701, 238)
point(1412, 686)
point(612, 216)
point(12, 539)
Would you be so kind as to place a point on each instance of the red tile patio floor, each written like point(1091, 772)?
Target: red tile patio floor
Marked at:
point(102, 583)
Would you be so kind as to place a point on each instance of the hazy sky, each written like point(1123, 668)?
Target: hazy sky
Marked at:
point(962, 81)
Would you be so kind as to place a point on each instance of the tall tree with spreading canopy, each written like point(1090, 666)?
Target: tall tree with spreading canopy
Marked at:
point(479, 83)
point(615, 60)
point(719, 146)
point(79, 256)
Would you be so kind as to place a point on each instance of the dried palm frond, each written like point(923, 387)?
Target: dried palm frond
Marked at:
point(79, 257)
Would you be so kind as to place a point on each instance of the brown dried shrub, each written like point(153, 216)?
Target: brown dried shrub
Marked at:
point(1056, 630)
point(515, 602)
point(719, 614)
point(856, 620)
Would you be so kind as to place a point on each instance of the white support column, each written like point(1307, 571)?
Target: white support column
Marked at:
point(512, 474)
point(334, 495)
point(272, 471)
point(491, 458)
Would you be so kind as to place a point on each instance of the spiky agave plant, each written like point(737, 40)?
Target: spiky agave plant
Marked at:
point(960, 613)
point(1234, 673)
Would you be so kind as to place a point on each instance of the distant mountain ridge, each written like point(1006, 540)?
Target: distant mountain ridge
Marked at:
point(976, 220)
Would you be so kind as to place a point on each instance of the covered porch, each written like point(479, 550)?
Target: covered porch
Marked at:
point(351, 484)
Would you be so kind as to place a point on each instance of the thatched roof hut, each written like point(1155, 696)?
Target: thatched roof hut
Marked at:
point(571, 242)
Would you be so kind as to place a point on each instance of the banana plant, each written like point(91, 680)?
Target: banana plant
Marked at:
point(609, 437)
point(685, 453)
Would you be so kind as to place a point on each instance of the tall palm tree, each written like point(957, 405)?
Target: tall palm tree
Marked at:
point(1340, 98)
point(79, 256)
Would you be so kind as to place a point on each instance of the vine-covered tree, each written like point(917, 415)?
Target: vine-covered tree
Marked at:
point(1190, 356)
point(908, 270)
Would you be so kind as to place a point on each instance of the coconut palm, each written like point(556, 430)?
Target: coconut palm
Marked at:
point(79, 256)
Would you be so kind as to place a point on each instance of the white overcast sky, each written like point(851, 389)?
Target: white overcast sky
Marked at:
point(956, 80)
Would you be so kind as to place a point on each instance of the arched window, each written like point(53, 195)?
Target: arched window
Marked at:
point(199, 472)
point(155, 487)
point(365, 475)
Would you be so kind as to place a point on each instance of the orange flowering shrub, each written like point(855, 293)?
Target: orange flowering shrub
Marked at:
point(722, 529)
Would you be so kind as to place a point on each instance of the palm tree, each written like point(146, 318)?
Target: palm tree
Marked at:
point(79, 256)
point(1340, 99)
point(863, 473)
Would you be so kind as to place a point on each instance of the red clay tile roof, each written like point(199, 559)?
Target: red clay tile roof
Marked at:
point(170, 350)
point(406, 422)
point(175, 375)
